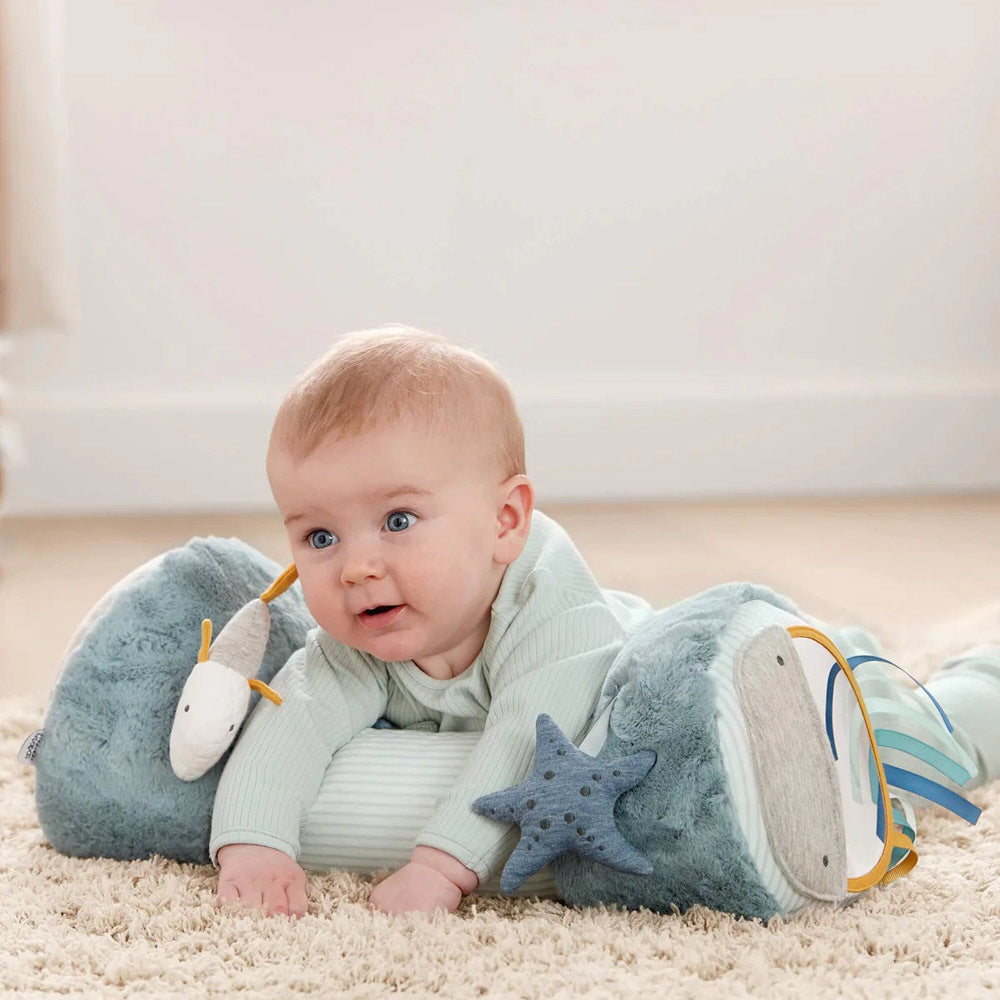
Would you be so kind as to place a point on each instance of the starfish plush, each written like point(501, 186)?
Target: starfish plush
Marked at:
point(567, 803)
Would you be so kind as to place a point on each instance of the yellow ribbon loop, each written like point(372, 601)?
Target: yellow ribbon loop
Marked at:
point(206, 640)
point(264, 691)
point(287, 578)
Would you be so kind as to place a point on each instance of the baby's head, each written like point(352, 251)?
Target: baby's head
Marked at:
point(397, 461)
point(398, 373)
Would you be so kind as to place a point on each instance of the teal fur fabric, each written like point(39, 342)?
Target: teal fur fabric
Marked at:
point(680, 816)
point(104, 785)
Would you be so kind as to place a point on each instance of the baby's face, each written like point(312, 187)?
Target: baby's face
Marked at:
point(394, 533)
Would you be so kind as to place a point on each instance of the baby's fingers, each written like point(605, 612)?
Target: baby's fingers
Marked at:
point(298, 903)
point(283, 898)
point(275, 898)
point(230, 894)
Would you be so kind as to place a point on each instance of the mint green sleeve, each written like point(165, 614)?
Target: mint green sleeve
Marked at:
point(554, 661)
point(277, 766)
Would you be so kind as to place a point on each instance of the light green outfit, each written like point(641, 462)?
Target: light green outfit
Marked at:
point(968, 689)
point(553, 636)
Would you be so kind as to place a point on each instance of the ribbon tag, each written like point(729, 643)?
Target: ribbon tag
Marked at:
point(29, 748)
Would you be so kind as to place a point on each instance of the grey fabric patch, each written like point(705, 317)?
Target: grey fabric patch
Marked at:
point(797, 783)
point(241, 643)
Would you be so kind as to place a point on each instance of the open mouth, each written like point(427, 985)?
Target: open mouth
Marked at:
point(381, 616)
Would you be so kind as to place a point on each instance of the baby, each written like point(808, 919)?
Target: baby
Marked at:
point(442, 597)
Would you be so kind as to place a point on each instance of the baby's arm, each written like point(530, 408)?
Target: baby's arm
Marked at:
point(275, 772)
point(431, 880)
point(560, 671)
point(261, 878)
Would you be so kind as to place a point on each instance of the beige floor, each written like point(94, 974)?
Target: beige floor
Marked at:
point(896, 563)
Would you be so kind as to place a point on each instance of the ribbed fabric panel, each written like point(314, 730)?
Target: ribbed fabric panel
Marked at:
point(279, 760)
point(734, 745)
point(379, 791)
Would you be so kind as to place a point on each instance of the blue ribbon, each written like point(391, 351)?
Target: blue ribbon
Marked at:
point(907, 781)
point(856, 661)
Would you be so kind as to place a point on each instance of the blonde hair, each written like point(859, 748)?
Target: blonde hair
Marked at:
point(377, 376)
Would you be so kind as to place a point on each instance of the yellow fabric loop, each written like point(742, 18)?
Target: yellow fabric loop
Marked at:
point(879, 871)
point(261, 688)
point(206, 640)
point(908, 863)
point(287, 578)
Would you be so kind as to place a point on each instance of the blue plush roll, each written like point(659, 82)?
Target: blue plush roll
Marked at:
point(104, 784)
point(737, 771)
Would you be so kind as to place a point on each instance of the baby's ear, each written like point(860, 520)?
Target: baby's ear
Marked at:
point(517, 501)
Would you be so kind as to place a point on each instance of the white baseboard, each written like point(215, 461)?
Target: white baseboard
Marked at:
point(591, 440)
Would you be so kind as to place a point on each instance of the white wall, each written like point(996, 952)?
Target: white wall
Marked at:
point(719, 248)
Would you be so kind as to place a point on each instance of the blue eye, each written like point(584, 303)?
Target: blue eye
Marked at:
point(400, 520)
point(321, 538)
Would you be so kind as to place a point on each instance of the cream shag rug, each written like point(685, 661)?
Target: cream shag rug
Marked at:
point(97, 928)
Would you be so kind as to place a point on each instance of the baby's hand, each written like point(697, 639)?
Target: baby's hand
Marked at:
point(433, 880)
point(261, 878)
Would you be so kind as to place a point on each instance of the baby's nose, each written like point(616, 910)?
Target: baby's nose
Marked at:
point(360, 564)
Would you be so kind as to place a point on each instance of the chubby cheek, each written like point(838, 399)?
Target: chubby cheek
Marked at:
point(321, 604)
point(450, 591)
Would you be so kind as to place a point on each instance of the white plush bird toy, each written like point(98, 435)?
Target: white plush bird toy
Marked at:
point(216, 695)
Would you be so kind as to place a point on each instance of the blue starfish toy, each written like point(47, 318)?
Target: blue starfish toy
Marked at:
point(567, 803)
